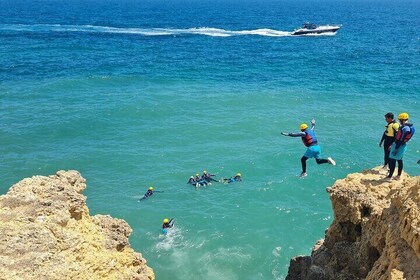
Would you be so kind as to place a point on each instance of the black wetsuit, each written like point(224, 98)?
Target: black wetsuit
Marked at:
point(388, 138)
point(149, 193)
point(233, 179)
point(191, 181)
point(200, 181)
point(207, 177)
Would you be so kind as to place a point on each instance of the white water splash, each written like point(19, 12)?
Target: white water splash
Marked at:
point(206, 31)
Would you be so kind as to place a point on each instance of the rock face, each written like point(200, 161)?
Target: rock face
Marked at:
point(46, 233)
point(375, 234)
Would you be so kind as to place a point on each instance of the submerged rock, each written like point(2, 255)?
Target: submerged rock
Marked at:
point(375, 234)
point(47, 233)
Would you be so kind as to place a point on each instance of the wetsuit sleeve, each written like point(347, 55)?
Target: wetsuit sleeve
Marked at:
point(405, 130)
point(383, 138)
point(298, 134)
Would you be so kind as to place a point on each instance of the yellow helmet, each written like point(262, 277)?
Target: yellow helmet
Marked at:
point(204, 171)
point(238, 174)
point(403, 116)
point(197, 174)
point(303, 126)
point(151, 188)
point(166, 220)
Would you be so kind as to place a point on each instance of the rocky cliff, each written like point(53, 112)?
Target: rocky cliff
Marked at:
point(375, 234)
point(46, 232)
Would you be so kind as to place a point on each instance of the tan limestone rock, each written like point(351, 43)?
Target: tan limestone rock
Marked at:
point(47, 233)
point(375, 234)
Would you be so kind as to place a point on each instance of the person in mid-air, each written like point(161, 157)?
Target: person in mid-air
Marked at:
point(149, 193)
point(197, 177)
point(208, 177)
point(388, 137)
point(398, 148)
point(310, 141)
point(236, 178)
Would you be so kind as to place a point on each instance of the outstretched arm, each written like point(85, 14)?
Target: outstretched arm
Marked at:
point(312, 124)
point(298, 134)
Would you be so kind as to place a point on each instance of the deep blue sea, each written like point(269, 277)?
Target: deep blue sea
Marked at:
point(140, 93)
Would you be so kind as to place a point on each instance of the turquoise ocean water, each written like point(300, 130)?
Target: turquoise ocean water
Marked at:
point(140, 93)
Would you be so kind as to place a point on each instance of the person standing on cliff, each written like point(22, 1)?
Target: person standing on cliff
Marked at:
point(398, 148)
point(313, 149)
point(388, 137)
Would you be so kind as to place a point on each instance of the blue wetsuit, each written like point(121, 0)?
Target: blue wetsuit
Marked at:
point(233, 179)
point(207, 177)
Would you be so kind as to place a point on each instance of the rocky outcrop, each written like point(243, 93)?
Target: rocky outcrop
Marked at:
point(375, 234)
point(46, 233)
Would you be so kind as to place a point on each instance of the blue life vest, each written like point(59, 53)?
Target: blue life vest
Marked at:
point(407, 136)
point(309, 139)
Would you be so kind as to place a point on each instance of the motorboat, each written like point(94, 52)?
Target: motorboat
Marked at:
point(310, 28)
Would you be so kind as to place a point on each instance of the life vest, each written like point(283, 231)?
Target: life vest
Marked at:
point(390, 130)
point(408, 135)
point(309, 139)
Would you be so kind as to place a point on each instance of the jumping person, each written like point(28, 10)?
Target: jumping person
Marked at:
point(398, 148)
point(310, 141)
point(388, 137)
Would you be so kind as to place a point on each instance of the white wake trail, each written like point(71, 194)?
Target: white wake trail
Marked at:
point(206, 31)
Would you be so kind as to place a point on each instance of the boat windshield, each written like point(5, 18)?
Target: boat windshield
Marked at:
point(308, 25)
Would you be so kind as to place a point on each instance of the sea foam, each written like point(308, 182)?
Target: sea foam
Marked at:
point(206, 31)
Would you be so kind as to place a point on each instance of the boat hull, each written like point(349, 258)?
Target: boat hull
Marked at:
point(315, 31)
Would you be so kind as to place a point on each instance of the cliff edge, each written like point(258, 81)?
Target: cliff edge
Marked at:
point(375, 234)
point(46, 233)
